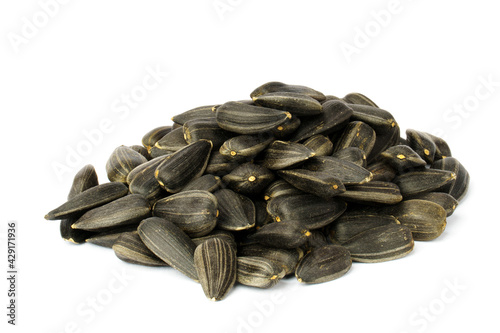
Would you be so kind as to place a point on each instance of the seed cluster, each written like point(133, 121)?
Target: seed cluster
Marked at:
point(289, 182)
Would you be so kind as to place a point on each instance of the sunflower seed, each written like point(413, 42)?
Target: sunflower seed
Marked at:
point(272, 87)
point(383, 243)
point(280, 187)
point(428, 180)
point(171, 142)
point(150, 138)
point(248, 119)
point(219, 234)
point(236, 212)
point(141, 180)
point(402, 158)
point(220, 165)
point(309, 210)
point(207, 129)
point(322, 264)
point(458, 187)
point(284, 130)
point(381, 171)
point(374, 192)
point(84, 179)
point(183, 166)
point(425, 219)
point(215, 263)
point(445, 200)
point(121, 162)
point(245, 147)
point(286, 235)
point(357, 134)
point(442, 148)
point(422, 144)
point(259, 272)
point(248, 178)
point(130, 209)
point(295, 103)
point(352, 154)
point(334, 117)
point(287, 259)
point(170, 244)
point(109, 237)
point(130, 248)
point(206, 182)
point(91, 198)
point(281, 154)
point(141, 150)
point(207, 111)
point(354, 222)
point(347, 172)
point(357, 98)
point(194, 212)
point(319, 183)
point(320, 145)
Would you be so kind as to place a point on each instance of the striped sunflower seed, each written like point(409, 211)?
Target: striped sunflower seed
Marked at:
point(322, 264)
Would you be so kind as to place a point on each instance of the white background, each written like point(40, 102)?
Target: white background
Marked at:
point(424, 62)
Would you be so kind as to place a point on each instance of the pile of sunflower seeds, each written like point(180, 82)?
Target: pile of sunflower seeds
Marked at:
point(289, 182)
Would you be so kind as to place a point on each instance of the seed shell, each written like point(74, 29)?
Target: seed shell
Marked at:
point(334, 117)
point(357, 134)
point(206, 182)
point(109, 237)
point(130, 248)
point(425, 219)
point(171, 142)
point(121, 162)
point(206, 111)
point(271, 87)
point(245, 147)
point(321, 145)
point(383, 243)
point(236, 212)
point(458, 187)
point(354, 222)
point(287, 259)
point(323, 264)
point(352, 154)
point(170, 244)
point(83, 180)
point(357, 98)
point(183, 166)
point(347, 172)
point(194, 212)
point(248, 119)
point(207, 129)
point(309, 210)
point(422, 144)
point(319, 183)
point(286, 235)
point(259, 272)
point(219, 234)
point(373, 192)
point(295, 103)
point(428, 180)
point(150, 138)
point(215, 263)
point(445, 200)
point(248, 178)
point(91, 198)
point(130, 209)
point(282, 154)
